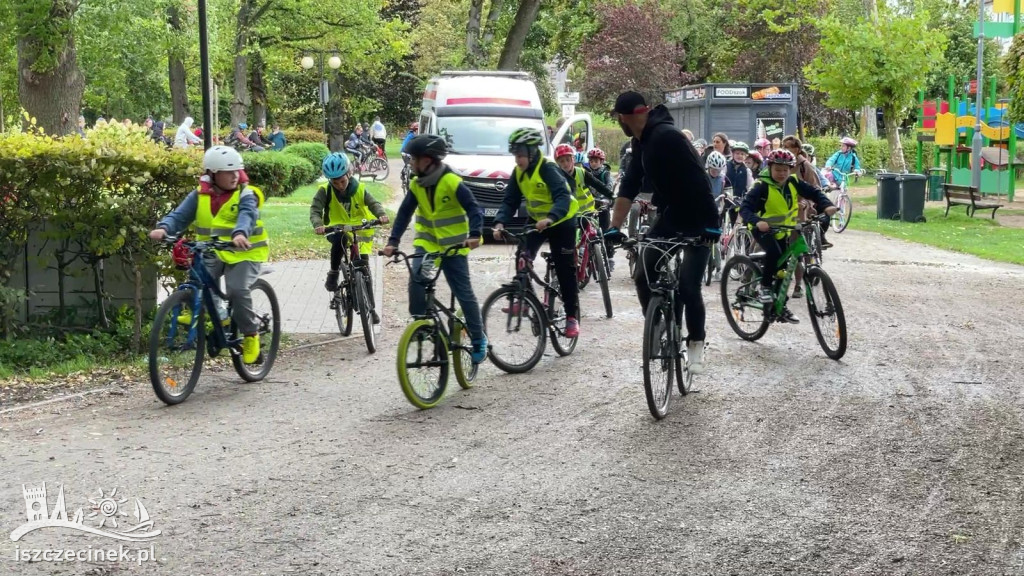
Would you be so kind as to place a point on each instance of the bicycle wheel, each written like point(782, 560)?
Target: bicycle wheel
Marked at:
point(600, 260)
point(658, 357)
point(633, 222)
point(714, 264)
point(342, 302)
point(583, 270)
point(268, 316)
point(740, 282)
point(684, 378)
point(363, 304)
point(462, 357)
point(175, 350)
point(557, 317)
point(841, 219)
point(826, 312)
point(423, 364)
point(379, 168)
point(514, 324)
point(739, 245)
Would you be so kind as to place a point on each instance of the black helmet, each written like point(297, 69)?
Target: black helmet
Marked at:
point(429, 145)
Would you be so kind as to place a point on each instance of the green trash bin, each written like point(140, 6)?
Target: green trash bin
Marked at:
point(888, 205)
point(936, 178)
point(912, 194)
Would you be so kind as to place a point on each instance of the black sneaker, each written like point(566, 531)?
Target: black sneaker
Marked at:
point(788, 317)
point(332, 281)
point(376, 317)
point(825, 244)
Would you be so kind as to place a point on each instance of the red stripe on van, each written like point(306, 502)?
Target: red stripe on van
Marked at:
point(498, 175)
point(501, 101)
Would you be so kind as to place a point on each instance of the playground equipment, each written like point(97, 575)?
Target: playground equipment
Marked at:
point(950, 124)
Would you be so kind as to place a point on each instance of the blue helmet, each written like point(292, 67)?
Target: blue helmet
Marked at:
point(335, 165)
point(242, 125)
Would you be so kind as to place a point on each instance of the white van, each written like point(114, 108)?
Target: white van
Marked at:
point(476, 111)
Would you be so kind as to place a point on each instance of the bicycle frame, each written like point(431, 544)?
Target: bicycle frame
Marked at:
point(435, 309)
point(204, 288)
point(586, 235)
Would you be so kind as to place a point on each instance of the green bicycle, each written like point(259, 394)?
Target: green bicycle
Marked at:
point(750, 319)
point(427, 342)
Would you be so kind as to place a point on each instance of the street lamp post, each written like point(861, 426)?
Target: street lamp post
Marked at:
point(334, 62)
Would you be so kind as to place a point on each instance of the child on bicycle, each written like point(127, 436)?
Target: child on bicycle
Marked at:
point(774, 201)
point(225, 206)
point(715, 167)
point(447, 215)
point(345, 202)
point(551, 207)
point(844, 161)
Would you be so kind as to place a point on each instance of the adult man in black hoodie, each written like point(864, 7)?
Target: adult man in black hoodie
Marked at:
point(682, 195)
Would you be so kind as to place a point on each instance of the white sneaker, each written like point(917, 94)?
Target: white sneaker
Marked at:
point(695, 356)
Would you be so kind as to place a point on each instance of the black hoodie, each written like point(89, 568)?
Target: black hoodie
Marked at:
point(682, 191)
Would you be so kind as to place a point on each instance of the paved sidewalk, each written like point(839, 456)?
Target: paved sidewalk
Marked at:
point(299, 285)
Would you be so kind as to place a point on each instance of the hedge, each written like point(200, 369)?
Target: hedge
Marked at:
point(315, 152)
point(874, 152)
point(296, 135)
point(278, 173)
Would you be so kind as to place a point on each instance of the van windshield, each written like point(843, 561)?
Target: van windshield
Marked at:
point(485, 135)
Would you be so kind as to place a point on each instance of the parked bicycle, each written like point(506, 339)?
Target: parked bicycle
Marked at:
point(181, 335)
point(354, 288)
point(592, 257)
point(517, 322)
point(664, 346)
point(426, 343)
point(750, 319)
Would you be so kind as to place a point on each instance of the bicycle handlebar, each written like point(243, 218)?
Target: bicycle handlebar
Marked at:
point(819, 218)
point(199, 245)
point(366, 224)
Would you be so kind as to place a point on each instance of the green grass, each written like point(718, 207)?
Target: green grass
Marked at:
point(287, 218)
point(979, 236)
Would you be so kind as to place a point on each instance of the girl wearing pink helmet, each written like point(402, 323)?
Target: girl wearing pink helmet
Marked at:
point(845, 161)
point(774, 201)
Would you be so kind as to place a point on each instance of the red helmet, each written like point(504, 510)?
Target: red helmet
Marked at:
point(756, 156)
point(182, 254)
point(596, 153)
point(415, 126)
point(761, 143)
point(780, 156)
point(564, 150)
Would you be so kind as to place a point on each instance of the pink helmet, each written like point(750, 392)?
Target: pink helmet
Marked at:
point(780, 156)
point(848, 141)
point(564, 150)
point(761, 143)
point(596, 153)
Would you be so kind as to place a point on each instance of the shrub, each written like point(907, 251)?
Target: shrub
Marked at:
point(315, 152)
point(294, 136)
point(874, 152)
point(278, 173)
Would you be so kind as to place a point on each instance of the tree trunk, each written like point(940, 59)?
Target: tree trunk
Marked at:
point(137, 306)
point(2, 127)
point(240, 101)
point(259, 90)
point(52, 96)
point(473, 32)
point(897, 163)
point(525, 17)
point(335, 113)
point(869, 122)
point(176, 71)
point(492, 20)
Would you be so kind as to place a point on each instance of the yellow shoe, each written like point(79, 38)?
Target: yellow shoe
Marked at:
point(250, 349)
point(185, 317)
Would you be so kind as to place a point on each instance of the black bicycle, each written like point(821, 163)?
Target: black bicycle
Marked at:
point(426, 343)
point(406, 172)
point(181, 334)
point(354, 286)
point(664, 346)
point(517, 322)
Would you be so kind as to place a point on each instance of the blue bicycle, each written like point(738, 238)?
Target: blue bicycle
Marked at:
point(181, 333)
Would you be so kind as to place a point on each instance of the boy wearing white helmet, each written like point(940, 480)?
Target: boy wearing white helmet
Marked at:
point(715, 166)
point(225, 206)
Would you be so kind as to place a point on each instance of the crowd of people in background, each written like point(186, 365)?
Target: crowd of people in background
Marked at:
point(188, 134)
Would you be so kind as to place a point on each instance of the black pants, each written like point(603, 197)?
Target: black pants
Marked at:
point(562, 239)
point(338, 246)
point(695, 261)
point(772, 247)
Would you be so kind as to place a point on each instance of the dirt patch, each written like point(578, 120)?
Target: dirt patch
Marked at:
point(1011, 220)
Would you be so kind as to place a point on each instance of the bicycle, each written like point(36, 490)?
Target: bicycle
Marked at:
point(592, 257)
point(638, 222)
point(664, 350)
point(354, 288)
point(841, 219)
point(741, 303)
point(427, 342)
point(518, 311)
point(179, 337)
point(725, 202)
point(371, 161)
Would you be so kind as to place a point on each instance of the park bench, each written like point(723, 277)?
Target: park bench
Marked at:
point(968, 196)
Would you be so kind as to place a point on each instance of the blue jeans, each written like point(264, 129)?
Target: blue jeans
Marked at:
point(456, 272)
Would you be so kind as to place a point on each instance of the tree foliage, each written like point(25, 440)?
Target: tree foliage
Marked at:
point(631, 52)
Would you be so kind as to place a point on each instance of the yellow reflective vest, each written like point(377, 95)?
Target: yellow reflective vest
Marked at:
point(538, 197)
point(358, 211)
point(441, 221)
point(583, 194)
point(209, 225)
point(777, 208)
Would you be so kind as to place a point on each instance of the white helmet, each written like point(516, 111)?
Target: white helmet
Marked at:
point(222, 159)
point(715, 160)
